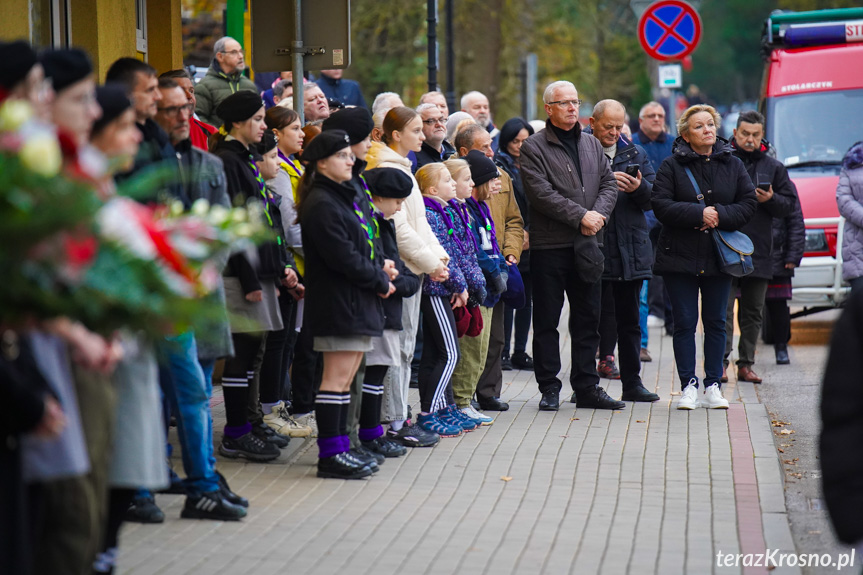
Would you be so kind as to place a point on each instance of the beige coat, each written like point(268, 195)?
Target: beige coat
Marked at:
point(419, 248)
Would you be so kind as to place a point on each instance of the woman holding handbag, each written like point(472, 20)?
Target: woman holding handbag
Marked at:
point(700, 190)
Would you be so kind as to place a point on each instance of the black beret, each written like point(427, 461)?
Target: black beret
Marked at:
point(267, 143)
point(482, 169)
point(388, 182)
point(325, 145)
point(16, 61)
point(239, 106)
point(113, 100)
point(66, 67)
point(357, 122)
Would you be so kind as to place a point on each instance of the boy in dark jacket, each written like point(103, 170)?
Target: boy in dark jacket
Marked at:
point(389, 187)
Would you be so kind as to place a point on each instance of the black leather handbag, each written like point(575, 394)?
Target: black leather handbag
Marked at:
point(733, 248)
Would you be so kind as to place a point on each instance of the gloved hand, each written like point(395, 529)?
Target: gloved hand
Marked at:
point(498, 284)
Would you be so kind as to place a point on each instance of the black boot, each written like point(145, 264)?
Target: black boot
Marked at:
point(782, 354)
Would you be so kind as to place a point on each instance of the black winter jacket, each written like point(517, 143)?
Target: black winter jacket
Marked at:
point(243, 188)
point(762, 168)
point(682, 248)
point(407, 283)
point(841, 439)
point(342, 281)
point(626, 244)
point(789, 239)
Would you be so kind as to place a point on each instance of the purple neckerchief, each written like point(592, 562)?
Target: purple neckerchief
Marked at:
point(436, 206)
point(461, 209)
point(489, 223)
point(288, 160)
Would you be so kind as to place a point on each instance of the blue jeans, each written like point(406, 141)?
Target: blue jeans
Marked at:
point(683, 290)
point(188, 389)
point(643, 309)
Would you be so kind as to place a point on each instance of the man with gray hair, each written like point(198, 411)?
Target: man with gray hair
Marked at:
point(435, 148)
point(224, 77)
point(572, 192)
point(438, 99)
point(386, 100)
point(476, 104)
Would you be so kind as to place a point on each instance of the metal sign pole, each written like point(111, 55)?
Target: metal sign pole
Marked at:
point(297, 53)
point(432, 45)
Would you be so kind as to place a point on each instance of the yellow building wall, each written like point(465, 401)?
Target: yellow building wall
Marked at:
point(165, 35)
point(15, 22)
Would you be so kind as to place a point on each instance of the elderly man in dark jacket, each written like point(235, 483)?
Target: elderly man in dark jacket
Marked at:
point(626, 247)
point(776, 197)
point(572, 192)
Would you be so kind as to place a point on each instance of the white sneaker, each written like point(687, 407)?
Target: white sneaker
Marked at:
point(689, 397)
point(281, 422)
point(713, 398)
point(655, 321)
point(477, 416)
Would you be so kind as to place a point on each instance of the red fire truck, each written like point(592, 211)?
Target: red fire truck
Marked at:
point(812, 98)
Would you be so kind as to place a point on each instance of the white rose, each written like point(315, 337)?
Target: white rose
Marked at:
point(177, 208)
point(238, 215)
point(41, 154)
point(218, 215)
point(201, 207)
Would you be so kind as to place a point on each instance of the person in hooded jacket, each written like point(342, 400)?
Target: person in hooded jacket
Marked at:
point(627, 251)
point(777, 197)
point(789, 240)
point(685, 254)
point(849, 196)
point(346, 286)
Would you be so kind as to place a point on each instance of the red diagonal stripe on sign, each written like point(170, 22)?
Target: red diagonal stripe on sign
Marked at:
point(669, 30)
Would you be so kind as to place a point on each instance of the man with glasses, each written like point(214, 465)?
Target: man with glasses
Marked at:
point(200, 132)
point(224, 77)
point(435, 148)
point(572, 192)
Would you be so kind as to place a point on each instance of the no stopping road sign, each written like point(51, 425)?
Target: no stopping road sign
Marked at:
point(669, 30)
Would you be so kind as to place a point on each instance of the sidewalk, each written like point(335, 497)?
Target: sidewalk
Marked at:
point(648, 489)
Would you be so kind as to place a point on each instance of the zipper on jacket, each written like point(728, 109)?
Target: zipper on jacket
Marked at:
point(568, 167)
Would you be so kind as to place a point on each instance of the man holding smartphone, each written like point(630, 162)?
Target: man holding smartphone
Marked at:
point(627, 250)
point(777, 197)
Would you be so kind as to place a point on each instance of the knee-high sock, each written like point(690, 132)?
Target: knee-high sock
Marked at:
point(373, 393)
point(331, 411)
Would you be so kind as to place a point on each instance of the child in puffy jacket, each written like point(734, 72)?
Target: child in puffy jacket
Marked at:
point(440, 338)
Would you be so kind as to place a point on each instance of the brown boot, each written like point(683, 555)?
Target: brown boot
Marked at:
point(745, 373)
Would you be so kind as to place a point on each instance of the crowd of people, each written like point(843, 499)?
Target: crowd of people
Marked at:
point(406, 247)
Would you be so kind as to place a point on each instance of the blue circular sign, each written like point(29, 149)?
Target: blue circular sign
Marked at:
point(669, 30)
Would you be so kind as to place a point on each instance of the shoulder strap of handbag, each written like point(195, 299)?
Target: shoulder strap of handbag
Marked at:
point(698, 193)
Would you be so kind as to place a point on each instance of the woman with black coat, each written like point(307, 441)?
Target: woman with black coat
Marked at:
point(685, 253)
point(251, 277)
point(344, 289)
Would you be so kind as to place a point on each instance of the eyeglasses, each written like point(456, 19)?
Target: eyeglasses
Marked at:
point(346, 156)
point(433, 121)
point(652, 116)
point(174, 110)
point(567, 103)
point(234, 52)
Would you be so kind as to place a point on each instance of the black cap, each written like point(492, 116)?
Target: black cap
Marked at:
point(357, 122)
point(113, 100)
point(482, 169)
point(388, 182)
point(16, 61)
point(66, 67)
point(325, 145)
point(239, 106)
point(267, 143)
point(335, 103)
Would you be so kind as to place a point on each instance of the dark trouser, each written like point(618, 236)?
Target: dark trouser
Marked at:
point(522, 320)
point(306, 370)
point(779, 317)
point(278, 353)
point(64, 527)
point(554, 276)
point(714, 299)
point(119, 500)
point(238, 373)
point(491, 381)
point(440, 354)
point(749, 316)
point(620, 301)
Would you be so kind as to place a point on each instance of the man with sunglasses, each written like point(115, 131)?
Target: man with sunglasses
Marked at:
point(224, 77)
point(435, 148)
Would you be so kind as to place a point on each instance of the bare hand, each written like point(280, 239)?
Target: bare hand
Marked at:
point(390, 291)
point(291, 279)
point(591, 223)
point(441, 274)
point(298, 292)
point(790, 266)
point(627, 183)
point(390, 269)
point(53, 420)
point(511, 259)
point(710, 217)
point(763, 195)
point(255, 296)
point(458, 299)
point(525, 245)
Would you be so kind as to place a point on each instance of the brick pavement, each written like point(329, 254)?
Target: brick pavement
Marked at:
point(647, 489)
